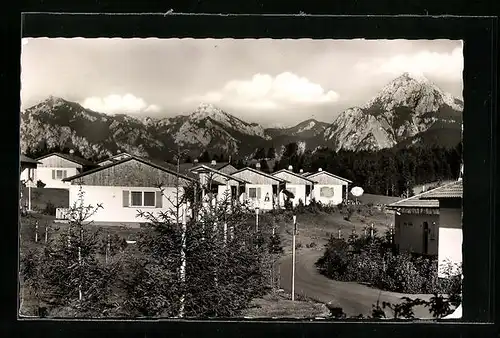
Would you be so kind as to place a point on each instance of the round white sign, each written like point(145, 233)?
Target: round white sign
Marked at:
point(357, 191)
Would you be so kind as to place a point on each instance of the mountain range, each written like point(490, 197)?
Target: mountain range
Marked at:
point(407, 111)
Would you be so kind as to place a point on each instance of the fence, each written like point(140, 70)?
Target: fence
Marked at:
point(62, 213)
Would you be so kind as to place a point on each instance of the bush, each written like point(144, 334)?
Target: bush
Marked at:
point(375, 261)
point(50, 209)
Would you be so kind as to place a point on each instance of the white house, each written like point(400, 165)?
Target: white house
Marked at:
point(300, 186)
point(450, 223)
point(118, 157)
point(219, 183)
point(127, 186)
point(262, 189)
point(53, 168)
point(28, 168)
point(328, 188)
point(416, 225)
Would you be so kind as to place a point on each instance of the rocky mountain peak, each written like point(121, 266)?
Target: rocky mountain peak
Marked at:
point(408, 105)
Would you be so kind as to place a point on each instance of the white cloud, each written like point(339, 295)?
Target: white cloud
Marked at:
point(446, 66)
point(118, 104)
point(264, 91)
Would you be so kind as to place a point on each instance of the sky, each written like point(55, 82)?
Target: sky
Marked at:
point(267, 81)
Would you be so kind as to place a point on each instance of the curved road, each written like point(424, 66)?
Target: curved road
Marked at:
point(352, 297)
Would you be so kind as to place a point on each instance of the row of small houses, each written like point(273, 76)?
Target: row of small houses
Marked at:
point(124, 183)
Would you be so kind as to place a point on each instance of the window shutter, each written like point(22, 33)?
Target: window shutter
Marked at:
point(258, 193)
point(125, 198)
point(159, 199)
point(53, 174)
point(65, 174)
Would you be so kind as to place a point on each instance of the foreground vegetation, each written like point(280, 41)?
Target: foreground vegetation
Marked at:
point(211, 266)
point(83, 271)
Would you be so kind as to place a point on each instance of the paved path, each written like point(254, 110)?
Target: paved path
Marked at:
point(352, 297)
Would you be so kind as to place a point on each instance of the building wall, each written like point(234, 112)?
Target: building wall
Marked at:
point(228, 169)
point(299, 191)
point(132, 173)
point(25, 176)
point(323, 178)
point(409, 235)
point(44, 174)
point(265, 189)
point(111, 198)
point(335, 199)
point(255, 178)
point(450, 236)
point(55, 161)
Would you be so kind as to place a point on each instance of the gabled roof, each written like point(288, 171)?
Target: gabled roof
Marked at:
point(185, 168)
point(294, 174)
point(450, 190)
point(71, 158)
point(154, 163)
point(414, 202)
point(211, 169)
point(111, 158)
point(327, 173)
point(26, 159)
point(260, 173)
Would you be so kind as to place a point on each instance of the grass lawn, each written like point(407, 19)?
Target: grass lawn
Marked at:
point(279, 305)
point(316, 228)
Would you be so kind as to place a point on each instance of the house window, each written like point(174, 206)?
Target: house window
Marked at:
point(254, 193)
point(59, 174)
point(326, 192)
point(142, 198)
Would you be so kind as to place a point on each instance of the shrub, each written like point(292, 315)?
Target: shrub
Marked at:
point(50, 209)
point(402, 275)
point(335, 260)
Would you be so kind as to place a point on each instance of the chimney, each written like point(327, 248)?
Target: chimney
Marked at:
point(301, 171)
point(213, 163)
point(290, 168)
point(118, 151)
point(320, 169)
point(257, 166)
point(195, 162)
point(71, 151)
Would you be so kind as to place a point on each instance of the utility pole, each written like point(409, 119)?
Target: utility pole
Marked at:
point(293, 255)
point(257, 219)
point(30, 180)
point(183, 260)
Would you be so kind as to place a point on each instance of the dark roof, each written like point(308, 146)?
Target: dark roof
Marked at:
point(294, 174)
point(328, 173)
point(26, 159)
point(72, 158)
point(205, 167)
point(154, 163)
point(261, 173)
point(450, 190)
point(414, 202)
